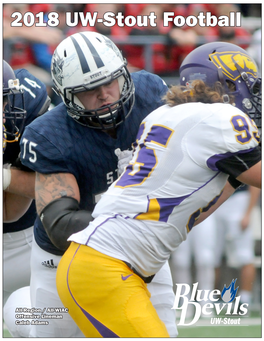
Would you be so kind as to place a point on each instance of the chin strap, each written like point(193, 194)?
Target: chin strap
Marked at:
point(226, 98)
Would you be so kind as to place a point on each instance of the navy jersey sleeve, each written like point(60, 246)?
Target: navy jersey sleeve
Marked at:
point(35, 94)
point(39, 150)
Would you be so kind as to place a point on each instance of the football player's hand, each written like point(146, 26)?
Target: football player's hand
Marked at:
point(124, 158)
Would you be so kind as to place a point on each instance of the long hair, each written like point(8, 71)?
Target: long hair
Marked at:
point(197, 91)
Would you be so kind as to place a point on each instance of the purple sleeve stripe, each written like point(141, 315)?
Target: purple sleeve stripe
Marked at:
point(211, 162)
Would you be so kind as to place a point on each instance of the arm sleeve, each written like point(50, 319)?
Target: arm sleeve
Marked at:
point(63, 217)
point(239, 163)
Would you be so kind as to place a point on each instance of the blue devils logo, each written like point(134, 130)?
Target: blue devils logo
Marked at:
point(229, 294)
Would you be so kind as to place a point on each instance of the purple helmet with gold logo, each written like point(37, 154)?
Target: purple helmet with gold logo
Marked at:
point(230, 65)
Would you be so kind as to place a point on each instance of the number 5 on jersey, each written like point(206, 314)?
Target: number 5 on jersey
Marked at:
point(146, 160)
point(29, 148)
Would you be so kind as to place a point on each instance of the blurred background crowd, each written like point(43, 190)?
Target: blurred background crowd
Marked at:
point(156, 49)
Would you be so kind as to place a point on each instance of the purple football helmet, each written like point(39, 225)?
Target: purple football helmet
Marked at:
point(228, 64)
point(12, 113)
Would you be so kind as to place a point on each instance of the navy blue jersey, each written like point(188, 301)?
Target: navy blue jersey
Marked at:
point(56, 143)
point(36, 101)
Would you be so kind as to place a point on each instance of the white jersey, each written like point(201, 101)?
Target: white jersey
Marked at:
point(171, 179)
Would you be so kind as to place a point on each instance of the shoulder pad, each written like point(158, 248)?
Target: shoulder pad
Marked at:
point(35, 94)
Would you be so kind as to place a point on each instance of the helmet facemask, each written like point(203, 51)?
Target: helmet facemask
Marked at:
point(108, 116)
point(4, 138)
point(252, 105)
point(247, 99)
point(12, 113)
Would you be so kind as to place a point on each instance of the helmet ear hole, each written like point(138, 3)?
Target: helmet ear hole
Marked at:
point(231, 85)
point(212, 53)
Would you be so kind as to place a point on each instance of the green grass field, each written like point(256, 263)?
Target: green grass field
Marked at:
point(251, 331)
point(6, 333)
point(212, 332)
point(249, 327)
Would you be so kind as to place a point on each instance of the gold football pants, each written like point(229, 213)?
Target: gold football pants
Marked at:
point(104, 296)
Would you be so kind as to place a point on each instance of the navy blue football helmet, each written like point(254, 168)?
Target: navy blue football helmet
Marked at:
point(12, 113)
point(230, 65)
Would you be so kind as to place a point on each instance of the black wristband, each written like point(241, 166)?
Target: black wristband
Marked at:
point(234, 182)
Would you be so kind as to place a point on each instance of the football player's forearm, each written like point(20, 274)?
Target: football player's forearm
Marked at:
point(252, 176)
point(49, 187)
point(57, 203)
point(227, 192)
point(14, 206)
point(22, 183)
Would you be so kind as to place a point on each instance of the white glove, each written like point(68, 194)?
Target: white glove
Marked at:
point(6, 176)
point(124, 158)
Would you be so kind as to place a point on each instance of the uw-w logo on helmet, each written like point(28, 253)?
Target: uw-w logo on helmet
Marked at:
point(57, 65)
point(227, 62)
